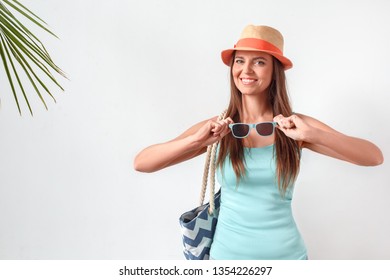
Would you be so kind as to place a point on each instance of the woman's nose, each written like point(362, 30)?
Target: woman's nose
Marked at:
point(248, 68)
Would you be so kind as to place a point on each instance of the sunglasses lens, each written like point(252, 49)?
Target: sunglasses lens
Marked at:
point(240, 130)
point(265, 129)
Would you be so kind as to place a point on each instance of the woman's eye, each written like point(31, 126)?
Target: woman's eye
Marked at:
point(239, 61)
point(259, 62)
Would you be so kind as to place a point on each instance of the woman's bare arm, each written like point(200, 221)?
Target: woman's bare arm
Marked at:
point(323, 139)
point(189, 144)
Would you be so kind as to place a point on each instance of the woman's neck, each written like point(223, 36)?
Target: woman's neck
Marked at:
point(256, 108)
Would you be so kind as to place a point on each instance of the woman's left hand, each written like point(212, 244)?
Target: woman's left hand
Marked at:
point(293, 127)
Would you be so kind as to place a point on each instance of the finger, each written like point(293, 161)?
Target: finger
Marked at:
point(285, 122)
point(293, 120)
point(218, 127)
point(288, 123)
point(279, 119)
point(225, 131)
point(222, 128)
point(228, 121)
point(214, 125)
point(223, 124)
point(222, 133)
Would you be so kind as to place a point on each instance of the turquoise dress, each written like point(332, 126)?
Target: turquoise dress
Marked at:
point(254, 221)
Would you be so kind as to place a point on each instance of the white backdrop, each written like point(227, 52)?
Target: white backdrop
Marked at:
point(141, 72)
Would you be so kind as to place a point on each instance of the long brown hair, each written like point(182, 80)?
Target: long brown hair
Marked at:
point(287, 150)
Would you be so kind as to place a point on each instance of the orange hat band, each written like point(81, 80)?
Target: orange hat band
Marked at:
point(257, 44)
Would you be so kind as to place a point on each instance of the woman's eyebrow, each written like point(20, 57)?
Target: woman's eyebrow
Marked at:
point(260, 57)
point(255, 58)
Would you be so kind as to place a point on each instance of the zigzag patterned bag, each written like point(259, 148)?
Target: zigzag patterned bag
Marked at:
point(198, 225)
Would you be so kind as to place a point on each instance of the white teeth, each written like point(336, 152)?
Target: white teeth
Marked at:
point(248, 81)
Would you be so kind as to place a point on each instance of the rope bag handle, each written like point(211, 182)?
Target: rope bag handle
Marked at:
point(209, 168)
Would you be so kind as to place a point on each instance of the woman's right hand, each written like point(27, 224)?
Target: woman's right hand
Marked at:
point(211, 132)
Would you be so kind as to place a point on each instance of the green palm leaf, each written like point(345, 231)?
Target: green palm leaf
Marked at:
point(21, 51)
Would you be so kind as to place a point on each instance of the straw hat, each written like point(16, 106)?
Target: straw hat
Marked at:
point(259, 38)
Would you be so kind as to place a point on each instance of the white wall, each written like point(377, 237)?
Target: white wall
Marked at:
point(141, 72)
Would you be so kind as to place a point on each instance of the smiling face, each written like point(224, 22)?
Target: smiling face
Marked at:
point(252, 71)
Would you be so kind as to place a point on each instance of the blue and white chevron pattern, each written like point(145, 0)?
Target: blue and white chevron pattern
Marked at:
point(198, 227)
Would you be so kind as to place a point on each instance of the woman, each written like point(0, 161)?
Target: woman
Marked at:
point(258, 167)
